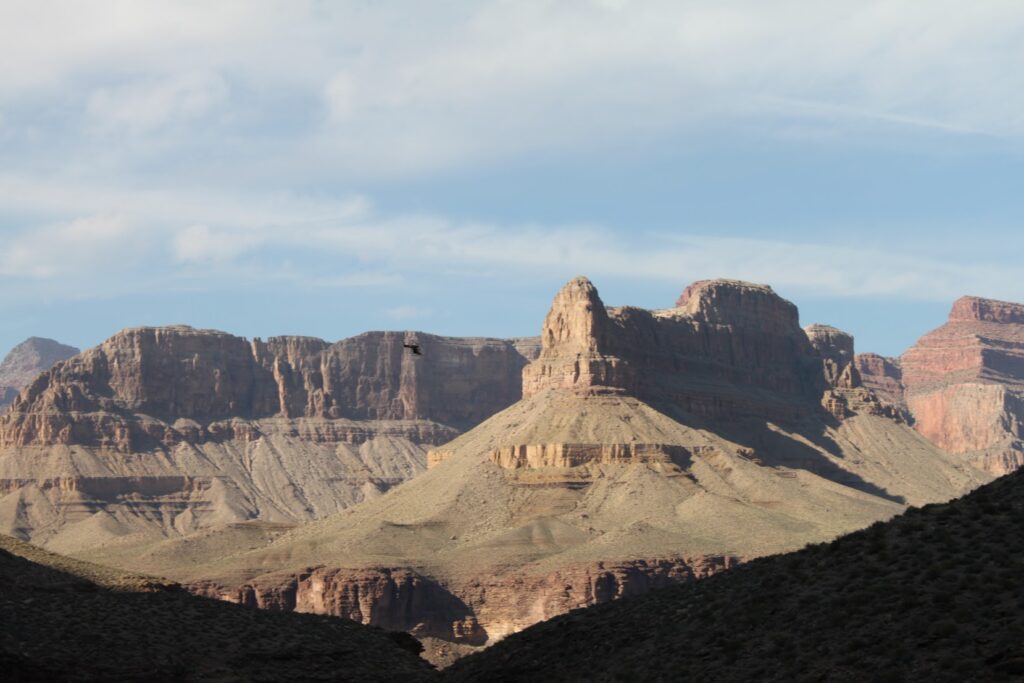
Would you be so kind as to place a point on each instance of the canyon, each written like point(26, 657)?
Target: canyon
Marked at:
point(162, 432)
point(962, 384)
point(467, 492)
point(648, 448)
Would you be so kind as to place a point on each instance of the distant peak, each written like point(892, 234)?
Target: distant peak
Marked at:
point(974, 308)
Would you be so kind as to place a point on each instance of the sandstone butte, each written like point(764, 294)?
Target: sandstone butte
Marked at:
point(24, 363)
point(648, 448)
point(161, 432)
point(962, 385)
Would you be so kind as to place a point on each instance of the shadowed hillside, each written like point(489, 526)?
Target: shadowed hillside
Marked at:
point(61, 619)
point(650, 448)
point(934, 595)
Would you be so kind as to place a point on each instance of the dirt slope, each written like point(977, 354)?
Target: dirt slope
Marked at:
point(614, 475)
point(936, 594)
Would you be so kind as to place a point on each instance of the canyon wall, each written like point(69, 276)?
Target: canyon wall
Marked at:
point(963, 383)
point(650, 447)
point(284, 430)
point(727, 348)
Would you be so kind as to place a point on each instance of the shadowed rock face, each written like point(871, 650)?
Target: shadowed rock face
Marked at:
point(65, 620)
point(25, 361)
point(650, 447)
point(963, 383)
point(882, 375)
point(933, 595)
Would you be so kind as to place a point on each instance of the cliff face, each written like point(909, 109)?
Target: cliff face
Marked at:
point(168, 374)
point(963, 383)
point(25, 361)
point(201, 427)
point(727, 348)
point(650, 447)
point(882, 375)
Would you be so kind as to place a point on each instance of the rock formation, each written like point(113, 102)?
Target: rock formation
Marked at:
point(650, 447)
point(25, 361)
point(933, 595)
point(963, 383)
point(164, 431)
point(882, 375)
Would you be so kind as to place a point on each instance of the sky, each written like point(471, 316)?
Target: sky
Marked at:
point(327, 168)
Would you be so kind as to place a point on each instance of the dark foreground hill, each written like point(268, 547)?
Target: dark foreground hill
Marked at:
point(64, 620)
point(936, 594)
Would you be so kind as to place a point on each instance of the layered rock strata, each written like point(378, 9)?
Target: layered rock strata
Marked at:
point(693, 437)
point(963, 383)
point(170, 429)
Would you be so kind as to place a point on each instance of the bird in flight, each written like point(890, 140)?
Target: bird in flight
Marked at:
point(415, 348)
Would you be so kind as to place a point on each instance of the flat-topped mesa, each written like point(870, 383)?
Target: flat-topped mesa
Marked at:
point(130, 391)
point(973, 308)
point(983, 341)
point(727, 348)
point(734, 302)
point(836, 350)
point(964, 383)
point(574, 339)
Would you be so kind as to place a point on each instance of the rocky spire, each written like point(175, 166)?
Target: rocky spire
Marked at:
point(577, 321)
point(574, 340)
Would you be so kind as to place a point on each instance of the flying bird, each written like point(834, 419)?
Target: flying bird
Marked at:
point(415, 348)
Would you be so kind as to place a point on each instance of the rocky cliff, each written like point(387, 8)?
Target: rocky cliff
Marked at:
point(25, 361)
point(650, 447)
point(963, 383)
point(172, 429)
point(727, 348)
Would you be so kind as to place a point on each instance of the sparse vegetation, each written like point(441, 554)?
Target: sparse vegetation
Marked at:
point(64, 620)
point(934, 595)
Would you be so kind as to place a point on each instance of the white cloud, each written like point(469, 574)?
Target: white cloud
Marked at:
point(147, 105)
point(393, 88)
point(69, 248)
point(198, 244)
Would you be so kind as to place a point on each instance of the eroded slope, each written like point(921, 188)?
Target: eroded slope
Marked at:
point(651, 447)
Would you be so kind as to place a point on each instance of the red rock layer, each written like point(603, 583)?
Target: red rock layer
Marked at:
point(963, 383)
point(475, 612)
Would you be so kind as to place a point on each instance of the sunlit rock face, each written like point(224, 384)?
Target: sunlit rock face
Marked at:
point(167, 430)
point(963, 383)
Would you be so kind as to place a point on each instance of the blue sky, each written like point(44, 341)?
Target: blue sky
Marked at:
point(329, 168)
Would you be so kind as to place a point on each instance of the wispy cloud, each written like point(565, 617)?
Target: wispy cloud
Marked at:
point(391, 89)
point(345, 243)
